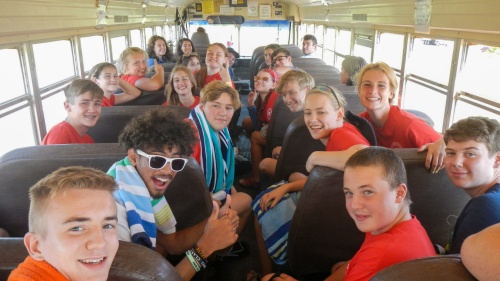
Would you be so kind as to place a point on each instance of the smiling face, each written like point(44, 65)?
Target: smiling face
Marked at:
point(194, 64)
point(156, 181)
point(186, 47)
point(371, 203)
point(374, 91)
point(107, 80)
point(281, 59)
point(219, 112)
point(215, 57)
point(267, 56)
point(293, 96)
point(136, 65)
point(264, 86)
point(469, 166)
point(308, 47)
point(160, 48)
point(320, 116)
point(83, 112)
point(182, 84)
point(81, 238)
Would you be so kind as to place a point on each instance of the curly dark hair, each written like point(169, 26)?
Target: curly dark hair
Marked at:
point(151, 48)
point(158, 128)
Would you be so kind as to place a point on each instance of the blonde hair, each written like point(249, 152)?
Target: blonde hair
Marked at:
point(388, 71)
point(170, 93)
point(58, 182)
point(335, 97)
point(304, 80)
point(213, 90)
point(123, 60)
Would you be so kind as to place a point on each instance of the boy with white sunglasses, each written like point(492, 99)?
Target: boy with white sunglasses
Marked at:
point(157, 145)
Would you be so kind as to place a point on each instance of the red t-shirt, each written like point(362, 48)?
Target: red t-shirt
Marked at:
point(403, 130)
point(345, 137)
point(64, 133)
point(215, 77)
point(196, 102)
point(405, 241)
point(108, 102)
point(131, 79)
point(266, 114)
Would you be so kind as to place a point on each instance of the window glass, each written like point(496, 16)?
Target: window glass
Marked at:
point(464, 110)
point(329, 42)
point(343, 42)
point(49, 68)
point(328, 57)
point(431, 59)
point(23, 135)
point(148, 31)
point(363, 47)
point(11, 75)
point(168, 33)
point(92, 51)
point(310, 28)
point(135, 36)
point(118, 44)
point(426, 100)
point(53, 109)
point(158, 31)
point(481, 69)
point(389, 49)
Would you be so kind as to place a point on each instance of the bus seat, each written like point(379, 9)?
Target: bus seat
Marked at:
point(114, 118)
point(256, 53)
point(298, 144)
point(322, 232)
point(255, 69)
point(125, 267)
point(282, 117)
point(187, 194)
point(422, 115)
point(167, 66)
point(438, 268)
point(309, 61)
point(294, 50)
point(326, 79)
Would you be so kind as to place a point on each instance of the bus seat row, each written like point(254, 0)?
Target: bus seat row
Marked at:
point(125, 267)
point(114, 118)
point(21, 168)
point(322, 232)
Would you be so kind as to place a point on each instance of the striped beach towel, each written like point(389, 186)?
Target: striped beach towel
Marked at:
point(145, 215)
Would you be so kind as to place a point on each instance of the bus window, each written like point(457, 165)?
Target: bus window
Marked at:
point(328, 46)
point(148, 31)
point(53, 68)
point(343, 42)
point(319, 37)
point(11, 76)
point(135, 37)
point(481, 68)
point(431, 59)
point(159, 31)
point(53, 107)
point(363, 47)
point(389, 48)
point(466, 107)
point(92, 51)
point(118, 44)
point(17, 126)
point(427, 100)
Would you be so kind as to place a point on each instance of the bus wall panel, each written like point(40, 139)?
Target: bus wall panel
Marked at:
point(446, 15)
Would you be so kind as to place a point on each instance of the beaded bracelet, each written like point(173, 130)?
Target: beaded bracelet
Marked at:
point(193, 261)
point(198, 251)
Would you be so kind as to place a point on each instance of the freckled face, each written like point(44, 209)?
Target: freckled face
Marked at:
point(374, 91)
point(320, 116)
